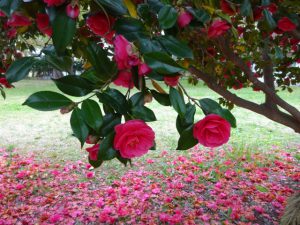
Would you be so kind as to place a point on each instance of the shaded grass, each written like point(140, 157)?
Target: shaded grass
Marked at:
point(49, 135)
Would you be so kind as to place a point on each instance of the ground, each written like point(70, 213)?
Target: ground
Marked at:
point(45, 178)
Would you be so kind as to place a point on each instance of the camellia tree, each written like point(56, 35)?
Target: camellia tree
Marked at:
point(227, 44)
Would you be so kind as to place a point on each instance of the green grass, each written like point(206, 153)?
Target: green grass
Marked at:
point(49, 135)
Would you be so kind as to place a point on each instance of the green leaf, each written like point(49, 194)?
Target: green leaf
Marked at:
point(209, 106)
point(147, 45)
point(109, 123)
point(137, 99)
point(246, 8)
point(167, 17)
point(143, 113)
point(187, 120)
point(47, 101)
point(78, 125)
point(9, 6)
point(115, 7)
point(199, 14)
point(262, 188)
point(91, 75)
point(278, 53)
point(132, 29)
point(176, 47)
point(19, 69)
point(92, 114)
point(61, 63)
point(163, 99)
point(74, 85)
point(187, 140)
point(2, 93)
point(177, 102)
point(270, 20)
point(115, 99)
point(227, 115)
point(105, 68)
point(155, 5)
point(106, 151)
point(124, 161)
point(95, 164)
point(64, 29)
point(162, 63)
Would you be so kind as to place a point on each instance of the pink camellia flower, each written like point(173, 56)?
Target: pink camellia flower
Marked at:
point(144, 69)
point(285, 24)
point(218, 28)
point(184, 19)
point(43, 24)
point(5, 83)
point(100, 24)
point(226, 8)
point(12, 33)
point(93, 152)
point(172, 81)
point(124, 79)
point(54, 2)
point(90, 175)
point(212, 131)
point(2, 14)
point(123, 51)
point(18, 20)
point(72, 11)
point(133, 138)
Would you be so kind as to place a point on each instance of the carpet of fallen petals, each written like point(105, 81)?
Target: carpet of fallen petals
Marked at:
point(203, 187)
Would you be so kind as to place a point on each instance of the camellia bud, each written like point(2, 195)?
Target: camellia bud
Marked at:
point(148, 98)
point(73, 10)
point(91, 139)
point(67, 109)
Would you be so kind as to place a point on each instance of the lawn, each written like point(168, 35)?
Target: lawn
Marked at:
point(45, 177)
point(48, 134)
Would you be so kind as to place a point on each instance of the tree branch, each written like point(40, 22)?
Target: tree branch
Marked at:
point(225, 48)
point(275, 115)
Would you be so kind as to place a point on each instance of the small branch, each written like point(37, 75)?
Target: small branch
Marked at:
point(225, 48)
point(189, 97)
point(275, 115)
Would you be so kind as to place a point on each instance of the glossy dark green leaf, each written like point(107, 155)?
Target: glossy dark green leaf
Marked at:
point(109, 122)
point(155, 5)
point(115, 7)
point(47, 101)
point(246, 8)
point(78, 125)
point(19, 69)
point(199, 14)
point(209, 106)
point(177, 102)
point(269, 18)
point(183, 123)
point(61, 63)
point(92, 114)
point(163, 99)
point(115, 99)
point(64, 29)
point(167, 17)
point(176, 47)
point(132, 29)
point(137, 99)
point(95, 164)
point(106, 150)
point(148, 45)
point(9, 6)
point(124, 161)
point(74, 85)
point(105, 68)
point(187, 140)
point(162, 63)
point(2, 93)
point(143, 113)
point(227, 115)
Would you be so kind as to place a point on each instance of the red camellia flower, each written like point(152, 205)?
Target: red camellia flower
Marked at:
point(72, 11)
point(124, 79)
point(144, 69)
point(184, 19)
point(43, 24)
point(226, 8)
point(12, 33)
point(93, 152)
point(2, 14)
point(212, 131)
point(100, 24)
point(5, 83)
point(218, 28)
point(54, 2)
point(172, 81)
point(18, 20)
point(285, 24)
point(133, 138)
point(123, 51)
